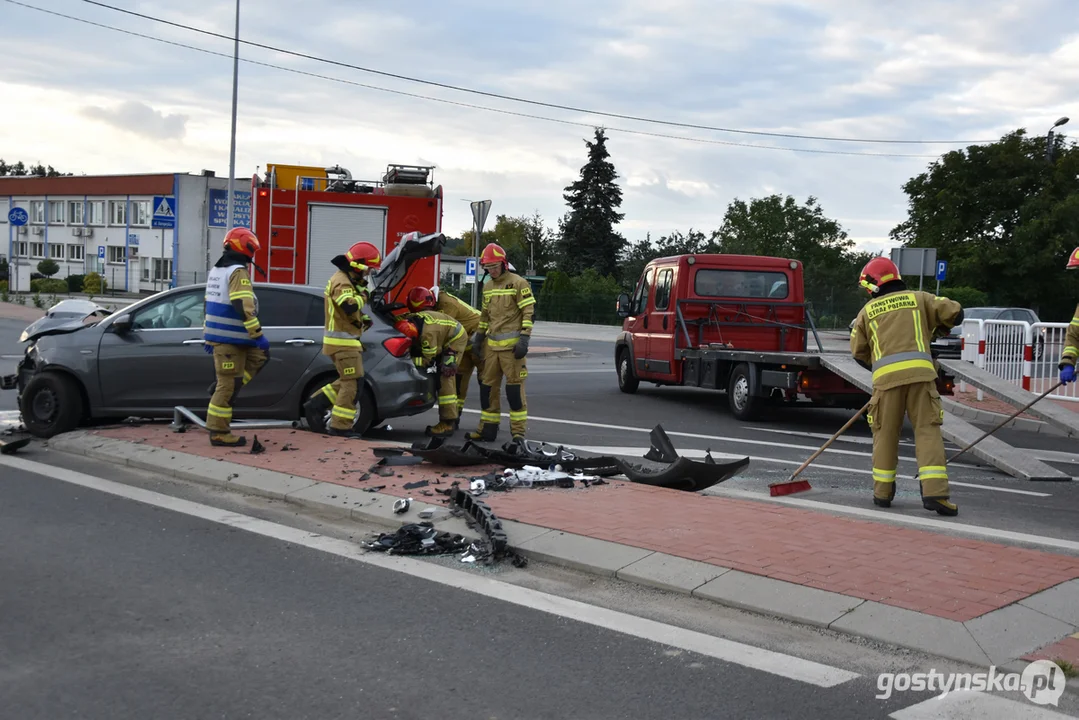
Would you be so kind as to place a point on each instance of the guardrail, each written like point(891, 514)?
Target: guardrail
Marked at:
point(1022, 353)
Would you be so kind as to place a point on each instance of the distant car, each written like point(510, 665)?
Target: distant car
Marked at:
point(148, 358)
point(954, 341)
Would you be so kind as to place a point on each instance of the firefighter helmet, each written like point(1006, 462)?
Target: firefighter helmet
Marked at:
point(493, 254)
point(877, 272)
point(242, 240)
point(420, 298)
point(1073, 261)
point(363, 256)
point(406, 328)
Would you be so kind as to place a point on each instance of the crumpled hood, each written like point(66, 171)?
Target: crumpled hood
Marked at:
point(63, 317)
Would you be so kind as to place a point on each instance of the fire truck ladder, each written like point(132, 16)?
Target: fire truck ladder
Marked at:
point(283, 229)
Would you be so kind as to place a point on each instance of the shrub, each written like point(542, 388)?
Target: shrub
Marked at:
point(74, 283)
point(48, 267)
point(48, 286)
point(38, 302)
point(93, 284)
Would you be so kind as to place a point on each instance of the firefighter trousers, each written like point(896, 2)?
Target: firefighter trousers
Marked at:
point(465, 366)
point(342, 391)
point(234, 367)
point(447, 398)
point(497, 365)
point(921, 403)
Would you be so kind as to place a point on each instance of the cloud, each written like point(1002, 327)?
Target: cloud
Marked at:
point(141, 119)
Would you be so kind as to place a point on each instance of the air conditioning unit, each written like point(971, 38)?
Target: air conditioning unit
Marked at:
point(38, 230)
point(21, 230)
point(88, 232)
point(77, 232)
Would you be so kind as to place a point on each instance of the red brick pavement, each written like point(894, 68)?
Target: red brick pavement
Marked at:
point(953, 578)
point(1066, 649)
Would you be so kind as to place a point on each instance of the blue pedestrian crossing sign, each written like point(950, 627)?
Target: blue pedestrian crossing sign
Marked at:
point(164, 212)
point(942, 270)
point(470, 270)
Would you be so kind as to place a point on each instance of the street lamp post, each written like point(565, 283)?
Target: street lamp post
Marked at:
point(232, 141)
point(1049, 139)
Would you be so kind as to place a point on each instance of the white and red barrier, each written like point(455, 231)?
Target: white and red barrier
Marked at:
point(1022, 353)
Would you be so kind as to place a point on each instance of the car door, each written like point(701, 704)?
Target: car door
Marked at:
point(159, 363)
point(637, 322)
point(292, 321)
point(661, 326)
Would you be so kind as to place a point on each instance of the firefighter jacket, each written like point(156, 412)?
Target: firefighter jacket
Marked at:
point(1071, 342)
point(893, 333)
point(462, 312)
point(439, 334)
point(508, 306)
point(224, 324)
point(343, 328)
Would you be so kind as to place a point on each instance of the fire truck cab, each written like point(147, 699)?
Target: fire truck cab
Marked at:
point(306, 215)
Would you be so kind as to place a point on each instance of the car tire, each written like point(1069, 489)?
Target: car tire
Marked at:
point(51, 404)
point(367, 412)
point(743, 404)
point(627, 379)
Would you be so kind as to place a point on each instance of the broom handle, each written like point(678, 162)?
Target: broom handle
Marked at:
point(1016, 414)
point(831, 440)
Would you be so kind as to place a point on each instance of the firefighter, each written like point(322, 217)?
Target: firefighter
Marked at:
point(891, 337)
point(231, 332)
point(469, 317)
point(441, 342)
point(502, 344)
point(345, 298)
point(1071, 339)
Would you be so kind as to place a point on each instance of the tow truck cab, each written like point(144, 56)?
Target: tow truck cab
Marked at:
point(728, 322)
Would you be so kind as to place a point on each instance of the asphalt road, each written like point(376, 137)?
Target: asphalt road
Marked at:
point(111, 608)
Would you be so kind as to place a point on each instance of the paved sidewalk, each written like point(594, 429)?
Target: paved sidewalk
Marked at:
point(964, 599)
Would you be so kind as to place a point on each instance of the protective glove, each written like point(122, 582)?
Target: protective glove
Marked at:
point(366, 322)
point(263, 344)
point(208, 348)
point(477, 347)
point(448, 370)
point(1067, 374)
point(521, 348)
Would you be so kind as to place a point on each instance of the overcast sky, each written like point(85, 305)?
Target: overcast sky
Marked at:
point(91, 100)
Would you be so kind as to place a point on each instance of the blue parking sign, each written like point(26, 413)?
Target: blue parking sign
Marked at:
point(942, 270)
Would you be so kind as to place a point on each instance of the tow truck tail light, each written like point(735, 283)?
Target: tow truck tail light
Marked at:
point(398, 346)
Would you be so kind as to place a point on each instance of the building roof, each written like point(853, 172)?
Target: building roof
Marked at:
point(453, 258)
point(79, 185)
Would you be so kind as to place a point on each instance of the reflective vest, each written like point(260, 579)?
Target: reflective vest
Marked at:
point(508, 306)
point(342, 329)
point(223, 324)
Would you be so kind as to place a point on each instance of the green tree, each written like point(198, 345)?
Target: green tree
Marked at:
point(19, 169)
point(48, 267)
point(966, 296)
point(1005, 219)
point(587, 238)
point(517, 236)
point(637, 256)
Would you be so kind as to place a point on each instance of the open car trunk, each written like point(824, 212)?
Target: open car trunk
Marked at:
point(395, 268)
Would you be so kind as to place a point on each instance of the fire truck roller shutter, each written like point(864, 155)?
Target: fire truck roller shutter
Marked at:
point(332, 229)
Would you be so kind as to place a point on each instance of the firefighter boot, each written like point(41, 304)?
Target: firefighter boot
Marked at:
point(227, 439)
point(349, 433)
point(488, 432)
point(942, 506)
point(314, 410)
point(444, 429)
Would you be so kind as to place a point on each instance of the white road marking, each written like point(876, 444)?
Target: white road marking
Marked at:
point(699, 454)
point(932, 523)
point(787, 666)
point(734, 441)
point(563, 371)
point(966, 705)
point(10, 357)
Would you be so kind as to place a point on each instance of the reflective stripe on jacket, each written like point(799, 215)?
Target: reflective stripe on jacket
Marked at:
point(440, 333)
point(462, 312)
point(223, 324)
point(893, 333)
point(508, 307)
point(342, 329)
point(1071, 342)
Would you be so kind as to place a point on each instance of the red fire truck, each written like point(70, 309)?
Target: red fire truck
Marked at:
point(307, 215)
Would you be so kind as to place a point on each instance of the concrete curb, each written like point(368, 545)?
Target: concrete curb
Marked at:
point(550, 352)
point(1000, 637)
point(992, 419)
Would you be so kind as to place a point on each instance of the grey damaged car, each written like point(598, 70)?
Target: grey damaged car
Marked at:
point(83, 364)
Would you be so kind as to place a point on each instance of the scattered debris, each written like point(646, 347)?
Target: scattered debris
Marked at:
point(381, 452)
point(286, 447)
point(481, 514)
point(257, 447)
point(400, 507)
point(428, 493)
point(415, 485)
point(428, 513)
point(418, 539)
point(231, 476)
point(382, 471)
point(9, 447)
point(374, 488)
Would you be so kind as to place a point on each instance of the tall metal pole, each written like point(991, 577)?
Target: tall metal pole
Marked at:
point(232, 141)
point(476, 254)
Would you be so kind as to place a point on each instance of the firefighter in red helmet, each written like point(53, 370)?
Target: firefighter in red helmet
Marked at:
point(1071, 340)
point(232, 332)
point(345, 298)
point(440, 343)
point(891, 337)
point(502, 344)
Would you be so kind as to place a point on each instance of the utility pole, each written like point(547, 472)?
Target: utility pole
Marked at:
point(232, 142)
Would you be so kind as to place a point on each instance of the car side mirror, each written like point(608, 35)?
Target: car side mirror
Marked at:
point(121, 324)
point(623, 306)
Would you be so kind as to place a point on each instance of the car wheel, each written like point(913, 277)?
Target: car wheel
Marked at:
point(366, 411)
point(742, 403)
point(627, 380)
point(51, 404)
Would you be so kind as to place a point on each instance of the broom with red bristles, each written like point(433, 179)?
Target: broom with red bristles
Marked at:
point(793, 485)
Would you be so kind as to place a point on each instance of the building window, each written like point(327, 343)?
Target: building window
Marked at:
point(117, 254)
point(56, 212)
point(56, 251)
point(140, 212)
point(75, 210)
point(21, 249)
point(37, 250)
point(95, 211)
point(3, 211)
point(75, 253)
point(162, 268)
point(37, 212)
point(117, 212)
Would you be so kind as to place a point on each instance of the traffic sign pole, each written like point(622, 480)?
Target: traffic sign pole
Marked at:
point(480, 208)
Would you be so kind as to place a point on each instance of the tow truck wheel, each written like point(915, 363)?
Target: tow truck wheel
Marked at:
point(743, 405)
point(51, 404)
point(627, 381)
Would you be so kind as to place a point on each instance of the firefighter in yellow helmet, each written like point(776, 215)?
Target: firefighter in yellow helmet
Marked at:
point(345, 298)
point(1071, 339)
point(891, 337)
point(439, 341)
point(232, 332)
point(502, 344)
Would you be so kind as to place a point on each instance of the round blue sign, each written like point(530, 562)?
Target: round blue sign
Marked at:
point(18, 216)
